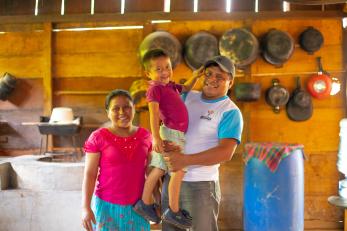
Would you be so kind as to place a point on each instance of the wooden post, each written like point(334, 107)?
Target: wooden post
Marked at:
point(47, 75)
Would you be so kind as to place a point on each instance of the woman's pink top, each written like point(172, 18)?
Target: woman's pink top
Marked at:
point(122, 165)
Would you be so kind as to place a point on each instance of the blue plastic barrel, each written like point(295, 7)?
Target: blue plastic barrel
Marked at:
point(274, 201)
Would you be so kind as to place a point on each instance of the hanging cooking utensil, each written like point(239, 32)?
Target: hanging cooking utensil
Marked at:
point(199, 48)
point(319, 85)
point(299, 106)
point(311, 40)
point(247, 92)
point(277, 47)
point(165, 41)
point(276, 96)
point(240, 45)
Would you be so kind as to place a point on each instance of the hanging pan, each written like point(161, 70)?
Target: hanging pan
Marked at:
point(319, 85)
point(311, 40)
point(240, 45)
point(199, 48)
point(165, 41)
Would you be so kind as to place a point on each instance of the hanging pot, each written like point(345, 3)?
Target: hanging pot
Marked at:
point(311, 40)
point(240, 45)
point(165, 41)
point(299, 106)
point(247, 92)
point(277, 47)
point(276, 96)
point(319, 85)
point(199, 48)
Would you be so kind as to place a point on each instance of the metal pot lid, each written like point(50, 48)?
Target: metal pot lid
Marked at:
point(165, 41)
point(199, 48)
point(240, 45)
point(277, 45)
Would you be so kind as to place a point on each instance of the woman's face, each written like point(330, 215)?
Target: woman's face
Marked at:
point(121, 112)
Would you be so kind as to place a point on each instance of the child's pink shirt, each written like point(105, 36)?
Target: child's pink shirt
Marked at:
point(122, 166)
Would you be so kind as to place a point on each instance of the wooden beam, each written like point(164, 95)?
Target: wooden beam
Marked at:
point(174, 16)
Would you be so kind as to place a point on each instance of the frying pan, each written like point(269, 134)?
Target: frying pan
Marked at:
point(199, 48)
point(319, 85)
point(165, 41)
point(240, 45)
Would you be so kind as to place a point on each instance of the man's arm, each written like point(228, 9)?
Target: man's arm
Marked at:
point(224, 151)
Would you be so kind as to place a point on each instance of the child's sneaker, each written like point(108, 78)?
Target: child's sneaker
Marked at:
point(181, 219)
point(147, 211)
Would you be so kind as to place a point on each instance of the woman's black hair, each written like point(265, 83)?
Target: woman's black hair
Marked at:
point(116, 93)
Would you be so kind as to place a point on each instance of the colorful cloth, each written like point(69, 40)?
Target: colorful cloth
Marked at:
point(172, 110)
point(122, 165)
point(270, 153)
point(113, 217)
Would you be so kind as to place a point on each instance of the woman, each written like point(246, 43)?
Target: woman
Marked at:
point(116, 157)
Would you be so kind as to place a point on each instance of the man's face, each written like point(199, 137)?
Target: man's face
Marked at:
point(216, 83)
point(160, 70)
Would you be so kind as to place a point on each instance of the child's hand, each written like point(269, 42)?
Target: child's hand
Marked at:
point(158, 145)
point(198, 72)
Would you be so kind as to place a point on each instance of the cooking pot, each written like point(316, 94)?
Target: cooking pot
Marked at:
point(277, 47)
point(276, 96)
point(311, 40)
point(319, 85)
point(247, 92)
point(240, 45)
point(199, 48)
point(61, 115)
point(7, 85)
point(165, 41)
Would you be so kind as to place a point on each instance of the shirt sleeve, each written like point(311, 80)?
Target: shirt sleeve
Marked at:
point(231, 125)
point(93, 143)
point(153, 94)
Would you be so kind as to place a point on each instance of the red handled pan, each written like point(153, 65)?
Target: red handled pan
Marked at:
point(319, 85)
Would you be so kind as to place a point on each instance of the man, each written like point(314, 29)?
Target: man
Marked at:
point(214, 131)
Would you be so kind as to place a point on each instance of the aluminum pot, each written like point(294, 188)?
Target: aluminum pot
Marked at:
point(199, 48)
point(165, 41)
point(240, 45)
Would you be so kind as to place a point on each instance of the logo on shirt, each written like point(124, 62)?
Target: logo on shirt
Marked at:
point(208, 116)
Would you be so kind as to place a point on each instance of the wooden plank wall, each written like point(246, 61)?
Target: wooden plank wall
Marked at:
point(87, 64)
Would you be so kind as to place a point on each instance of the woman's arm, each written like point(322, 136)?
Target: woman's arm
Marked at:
point(90, 175)
point(155, 124)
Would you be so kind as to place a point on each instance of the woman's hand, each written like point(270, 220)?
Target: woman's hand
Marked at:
point(158, 145)
point(87, 219)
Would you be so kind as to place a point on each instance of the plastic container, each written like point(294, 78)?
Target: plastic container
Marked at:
point(274, 201)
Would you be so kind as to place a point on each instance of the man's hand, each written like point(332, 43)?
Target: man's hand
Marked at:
point(174, 159)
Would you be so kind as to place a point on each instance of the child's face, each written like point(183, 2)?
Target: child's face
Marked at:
point(160, 70)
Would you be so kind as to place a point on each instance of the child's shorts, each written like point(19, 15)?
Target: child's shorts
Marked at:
point(171, 135)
